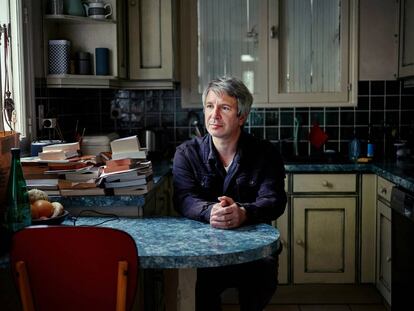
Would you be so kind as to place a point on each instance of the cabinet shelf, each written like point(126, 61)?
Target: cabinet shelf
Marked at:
point(79, 81)
point(71, 19)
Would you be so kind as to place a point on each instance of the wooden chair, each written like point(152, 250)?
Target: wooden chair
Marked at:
point(75, 268)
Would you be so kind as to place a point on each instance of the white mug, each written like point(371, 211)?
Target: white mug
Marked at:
point(98, 10)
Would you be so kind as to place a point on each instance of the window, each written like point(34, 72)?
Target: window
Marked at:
point(14, 14)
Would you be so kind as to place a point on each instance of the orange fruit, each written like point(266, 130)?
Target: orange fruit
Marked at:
point(35, 214)
point(42, 208)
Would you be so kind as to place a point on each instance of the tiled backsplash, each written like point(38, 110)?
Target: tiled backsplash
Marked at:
point(386, 105)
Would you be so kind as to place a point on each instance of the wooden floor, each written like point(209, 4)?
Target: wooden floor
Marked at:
point(318, 298)
point(352, 307)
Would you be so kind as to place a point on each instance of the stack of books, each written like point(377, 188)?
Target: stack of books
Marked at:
point(80, 182)
point(134, 180)
point(60, 151)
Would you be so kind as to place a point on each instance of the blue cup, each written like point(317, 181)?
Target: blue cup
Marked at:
point(102, 61)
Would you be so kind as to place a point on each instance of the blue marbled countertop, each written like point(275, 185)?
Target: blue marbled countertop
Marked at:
point(402, 174)
point(173, 242)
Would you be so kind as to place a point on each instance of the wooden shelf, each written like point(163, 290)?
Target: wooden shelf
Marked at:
point(79, 81)
point(71, 19)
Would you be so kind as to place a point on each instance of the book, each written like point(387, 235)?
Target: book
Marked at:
point(133, 191)
point(126, 183)
point(113, 169)
point(42, 184)
point(62, 147)
point(136, 190)
point(67, 184)
point(67, 166)
point(127, 176)
point(125, 144)
point(58, 154)
point(121, 162)
point(82, 192)
point(133, 154)
point(85, 175)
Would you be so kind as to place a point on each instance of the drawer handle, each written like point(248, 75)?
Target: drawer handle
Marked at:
point(299, 242)
point(384, 190)
point(388, 258)
point(326, 183)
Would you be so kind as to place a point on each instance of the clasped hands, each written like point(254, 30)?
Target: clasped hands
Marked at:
point(226, 214)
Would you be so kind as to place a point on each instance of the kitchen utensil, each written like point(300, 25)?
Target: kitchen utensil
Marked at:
point(317, 136)
point(150, 140)
point(296, 124)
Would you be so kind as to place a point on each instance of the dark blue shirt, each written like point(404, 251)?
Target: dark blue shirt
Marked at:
point(255, 179)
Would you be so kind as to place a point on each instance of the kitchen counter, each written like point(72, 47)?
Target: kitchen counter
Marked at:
point(401, 174)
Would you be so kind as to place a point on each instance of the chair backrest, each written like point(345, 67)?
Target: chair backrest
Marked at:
point(75, 268)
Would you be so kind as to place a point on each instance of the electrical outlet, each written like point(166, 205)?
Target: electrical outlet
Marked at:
point(49, 123)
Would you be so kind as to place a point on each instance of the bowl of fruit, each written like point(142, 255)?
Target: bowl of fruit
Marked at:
point(43, 211)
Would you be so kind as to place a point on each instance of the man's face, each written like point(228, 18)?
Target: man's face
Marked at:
point(221, 119)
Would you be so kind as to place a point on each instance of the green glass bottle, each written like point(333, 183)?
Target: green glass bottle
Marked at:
point(18, 214)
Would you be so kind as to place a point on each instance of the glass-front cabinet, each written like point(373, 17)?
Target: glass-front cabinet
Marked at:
point(288, 52)
point(406, 68)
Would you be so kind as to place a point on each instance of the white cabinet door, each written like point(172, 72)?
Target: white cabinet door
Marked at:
point(383, 281)
point(313, 52)
point(282, 225)
point(150, 39)
point(378, 44)
point(406, 67)
point(324, 233)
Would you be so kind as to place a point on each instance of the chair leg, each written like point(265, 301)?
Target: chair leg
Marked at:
point(122, 285)
point(24, 286)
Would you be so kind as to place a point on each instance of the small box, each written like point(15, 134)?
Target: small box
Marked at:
point(94, 145)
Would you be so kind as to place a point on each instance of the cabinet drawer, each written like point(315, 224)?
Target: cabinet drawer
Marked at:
point(384, 188)
point(324, 183)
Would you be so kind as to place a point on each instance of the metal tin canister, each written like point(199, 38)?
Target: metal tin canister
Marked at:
point(59, 56)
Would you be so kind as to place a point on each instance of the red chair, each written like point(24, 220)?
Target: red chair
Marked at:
point(75, 268)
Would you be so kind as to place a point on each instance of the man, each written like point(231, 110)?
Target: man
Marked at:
point(229, 178)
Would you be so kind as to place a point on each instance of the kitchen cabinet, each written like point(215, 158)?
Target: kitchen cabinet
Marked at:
point(285, 55)
point(150, 39)
point(159, 201)
point(85, 34)
point(282, 224)
point(406, 60)
point(383, 241)
point(367, 227)
point(378, 44)
point(324, 209)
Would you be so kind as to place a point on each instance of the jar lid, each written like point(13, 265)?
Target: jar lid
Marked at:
point(59, 42)
point(83, 55)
